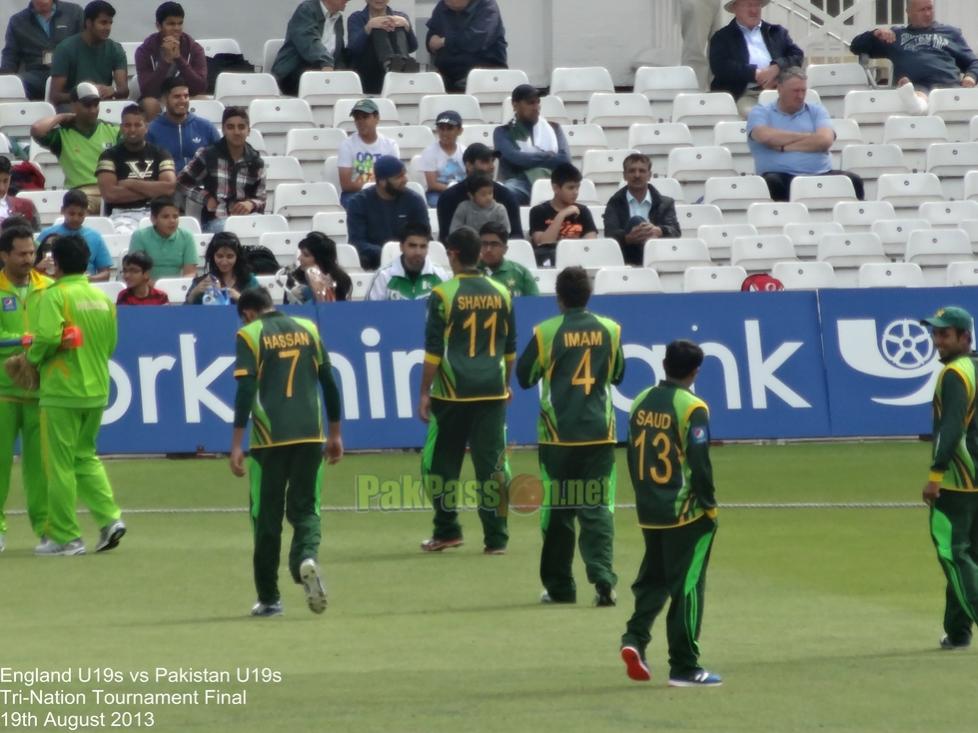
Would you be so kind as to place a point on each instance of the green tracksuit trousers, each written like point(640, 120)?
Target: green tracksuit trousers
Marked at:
point(954, 530)
point(480, 425)
point(673, 569)
point(578, 482)
point(74, 471)
point(23, 417)
point(286, 480)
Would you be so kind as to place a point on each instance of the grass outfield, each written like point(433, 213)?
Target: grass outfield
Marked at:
point(819, 619)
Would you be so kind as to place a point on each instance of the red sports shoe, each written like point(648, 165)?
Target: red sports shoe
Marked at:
point(433, 544)
point(636, 667)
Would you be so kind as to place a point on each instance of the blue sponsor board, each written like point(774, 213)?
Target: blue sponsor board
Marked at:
point(880, 362)
point(764, 375)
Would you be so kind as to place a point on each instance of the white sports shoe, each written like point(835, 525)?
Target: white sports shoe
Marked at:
point(110, 535)
point(312, 583)
point(50, 548)
point(3, 542)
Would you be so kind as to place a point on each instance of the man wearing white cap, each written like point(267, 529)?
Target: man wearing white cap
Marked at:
point(78, 138)
point(748, 53)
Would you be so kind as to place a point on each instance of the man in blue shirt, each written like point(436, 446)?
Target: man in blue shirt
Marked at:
point(790, 137)
point(178, 131)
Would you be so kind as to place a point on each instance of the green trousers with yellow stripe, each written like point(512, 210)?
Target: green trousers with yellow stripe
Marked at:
point(286, 480)
point(673, 569)
point(74, 471)
point(480, 425)
point(954, 530)
point(578, 483)
point(23, 417)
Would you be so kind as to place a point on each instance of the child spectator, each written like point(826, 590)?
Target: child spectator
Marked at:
point(441, 161)
point(172, 249)
point(226, 273)
point(136, 269)
point(481, 208)
point(43, 260)
point(319, 277)
point(74, 209)
point(561, 217)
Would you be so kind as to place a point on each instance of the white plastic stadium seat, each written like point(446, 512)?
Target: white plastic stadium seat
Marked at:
point(971, 227)
point(466, 105)
point(914, 135)
point(956, 106)
point(846, 252)
point(280, 169)
point(626, 280)
point(657, 139)
point(716, 278)
point(935, 250)
point(806, 235)
point(552, 108)
point(347, 257)
point(945, 214)
point(891, 275)
point(543, 191)
point(661, 84)
point(494, 87)
point(971, 186)
point(112, 288)
point(758, 254)
point(299, 202)
point(588, 253)
point(256, 141)
point(311, 146)
point(805, 275)
point(476, 134)
point(411, 139)
point(232, 88)
point(671, 257)
point(669, 187)
point(385, 108)
point(250, 228)
point(283, 244)
point(951, 162)
point(859, 216)
point(872, 161)
point(436, 253)
point(546, 280)
point(274, 287)
point(110, 110)
point(213, 46)
point(720, 237)
point(361, 284)
point(615, 113)
point(770, 217)
point(322, 89)
point(576, 85)
point(581, 138)
point(692, 216)
point(733, 136)
point(604, 168)
point(694, 166)
point(521, 252)
point(735, 194)
point(12, 89)
point(208, 109)
point(275, 117)
point(332, 224)
point(406, 90)
point(16, 118)
point(847, 133)
point(894, 233)
point(700, 112)
point(908, 192)
point(175, 288)
point(269, 52)
point(821, 193)
point(47, 203)
point(871, 108)
point(834, 81)
point(962, 273)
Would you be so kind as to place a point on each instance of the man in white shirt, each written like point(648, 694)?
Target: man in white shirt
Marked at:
point(748, 54)
point(356, 155)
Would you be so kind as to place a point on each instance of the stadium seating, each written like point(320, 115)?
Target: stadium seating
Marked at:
point(657, 139)
point(770, 217)
point(715, 278)
point(575, 86)
point(859, 216)
point(110, 110)
point(273, 118)
point(232, 88)
point(299, 202)
point(250, 228)
point(436, 253)
point(806, 236)
point(669, 187)
point(551, 108)
point(733, 136)
point(588, 253)
point(342, 108)
point(951, 162)
point(700, 112)
point(275, 288)
point(270, 50)
point(406, 91)
point(543, 191)
point(323, 89)
point(615, 113)
point(935, 250)
point(411, 139)
point(834, 81)
point(821, 193)
point(16, 118)
point(890, 275)
point(956, 107)
point(692, 167)
point(871, 161)
point(720, 237)
point(208, 109)
point(625, 280)
point(735, 194)
point(361, 282)
point(660, 85)
point(432, 105)
point(692, 216)
point(604, 168)
point(332, 224)
point(311, 146)
point(907, 192)
point(348, 258)
point(280, 169)
point(671, 257)
point(112, 288)
point(214, 46)
point(894, 233)
point(47, 202)
point(580, 139)
point(494, 88)
point(805, 275)
point(948, 214)
point(914, 135)
point(546, 280)
point(847, 133)
point(871, 109)
point(283, 244)
point(521, 252)
point(846, 252)
point(175, 288)
point(962, 273)
point(760, 253)
point(11, 89)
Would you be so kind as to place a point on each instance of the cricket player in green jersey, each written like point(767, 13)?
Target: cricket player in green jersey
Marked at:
point(952, 487)
point(470, 346)
point(578, 356)
point(280, 368)
point(669, 463)
point(492, 261)
point(20, 287)
point(73, 394)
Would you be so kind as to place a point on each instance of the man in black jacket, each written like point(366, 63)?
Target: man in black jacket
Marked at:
point(748, 53)
point(637, 212)
point(32, 35)
point(478, 158)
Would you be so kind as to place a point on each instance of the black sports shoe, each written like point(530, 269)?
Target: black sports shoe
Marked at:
point(606, 596)
point(949, 645)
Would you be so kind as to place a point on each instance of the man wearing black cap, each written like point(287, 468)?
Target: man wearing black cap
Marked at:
point(478, 158)
point(377, 215)
point(951, 490)
point(530, 147)
point(356, 155)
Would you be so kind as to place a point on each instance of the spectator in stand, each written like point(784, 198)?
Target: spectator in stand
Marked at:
point(132, 173)
point(748, 53)
point(319, 277)
point(381, 40)
point(169, 54)
point(638, 212)
point(74, 209)
point(11, 205)
point(442, 161)
point(530, 146)
point(78, 139)
point(790, 137)
point(412, 275)
point(32, 35)
point(561, 217)
point(925, 54)
point(464, 35)
point(699, 19)
point(357, 154)
point(493, 263)
point(226, 273)
point(178, 131)
point(43, 259)
point(378, 214)
point(478, 159)
point(173, 250)
point(90, 56)
point(136, 269)
point(228, 177)
point(480, 208)
point(314, 41)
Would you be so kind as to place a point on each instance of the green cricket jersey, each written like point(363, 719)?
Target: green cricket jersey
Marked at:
point(578, 356)
point(955, 427)
point(77, 377)
point(669, 457)
point(287, 359)
point(14, 303)
point(470, 335)
point(517, 279)
point(77, 152)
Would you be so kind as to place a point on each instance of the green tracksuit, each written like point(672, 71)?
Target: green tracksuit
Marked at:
point(578, 355)
point(74, 392)
point(280, 366)
point(19, 413)
point(669, 463)
point(517, 279)
point(954, 516)
point(470, 335)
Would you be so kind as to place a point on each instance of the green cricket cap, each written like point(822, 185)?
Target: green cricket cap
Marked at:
point(950, 316)
point(367, 106)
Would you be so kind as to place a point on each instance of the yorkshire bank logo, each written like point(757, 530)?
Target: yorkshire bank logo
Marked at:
point(903, 350)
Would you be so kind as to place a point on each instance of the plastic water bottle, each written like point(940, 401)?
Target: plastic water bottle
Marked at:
point(213, 294)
